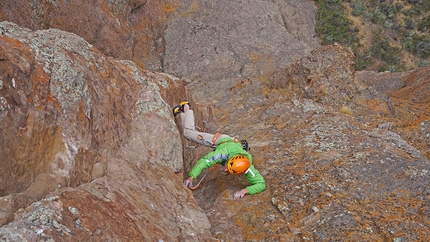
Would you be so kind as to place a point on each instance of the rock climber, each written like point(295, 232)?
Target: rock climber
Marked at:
point(228, 152)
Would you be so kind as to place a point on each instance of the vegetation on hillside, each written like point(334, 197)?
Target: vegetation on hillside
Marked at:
point(385, 35)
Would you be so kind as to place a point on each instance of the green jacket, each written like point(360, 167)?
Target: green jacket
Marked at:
point(225, 149)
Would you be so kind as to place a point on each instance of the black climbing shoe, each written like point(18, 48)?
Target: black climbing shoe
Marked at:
point(179, 108)
point(182, 105)
point(176, 110)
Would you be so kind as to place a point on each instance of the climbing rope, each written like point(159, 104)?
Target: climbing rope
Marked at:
point(207, 170)
point(201, 179)
point(198, 184)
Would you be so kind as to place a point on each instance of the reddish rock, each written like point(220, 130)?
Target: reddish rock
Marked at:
point(127, 30)
point(345, 154)
point(90, 143)
point(330, 175)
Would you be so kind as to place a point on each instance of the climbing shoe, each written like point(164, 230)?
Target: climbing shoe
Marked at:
point(179, 108)
point(183, 103)
point(176, 110)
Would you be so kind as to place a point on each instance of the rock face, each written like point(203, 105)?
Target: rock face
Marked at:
point(332, 174)
point(199, 40)
point(130, 30)
point(226, 40)
point(93, 133)
point(90, 143)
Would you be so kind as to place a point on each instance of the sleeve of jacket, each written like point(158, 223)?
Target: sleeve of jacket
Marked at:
point(207, 161)
point(258, 184)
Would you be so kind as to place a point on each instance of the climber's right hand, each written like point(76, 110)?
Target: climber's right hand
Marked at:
point(189, 182)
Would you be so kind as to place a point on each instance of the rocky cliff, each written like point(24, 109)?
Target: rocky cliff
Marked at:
point(90, 150)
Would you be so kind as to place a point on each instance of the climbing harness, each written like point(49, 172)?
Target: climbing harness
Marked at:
point(212, 142)
point(200, 137)
point(216, 136)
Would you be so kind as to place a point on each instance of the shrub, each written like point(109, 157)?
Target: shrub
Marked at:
point(424, 25)
point(409, 24)
point(411, 28)
point(332, 25)
point(423, 49)
point(416, 44)
point(413, 11)
point(424, 63)
point(378, 16)
point(426, 5)
point(382, 50)
point(367, 16)
point(391, 68)
point(357, 8)
point(363, 60)
point(388, 10)
point(388, 24)
point(346, 110)
point(399, 7)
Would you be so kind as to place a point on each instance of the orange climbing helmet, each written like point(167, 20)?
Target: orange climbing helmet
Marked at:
point(238, 164)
